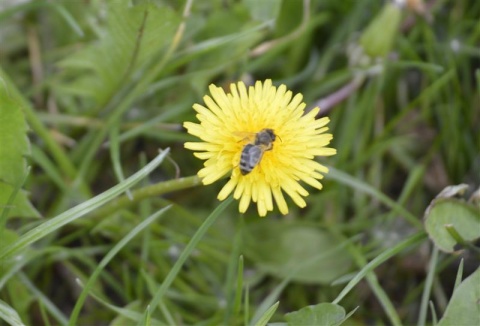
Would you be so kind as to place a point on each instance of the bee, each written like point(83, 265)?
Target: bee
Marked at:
point(252, 153)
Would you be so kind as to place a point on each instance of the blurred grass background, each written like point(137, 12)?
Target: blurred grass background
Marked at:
point(105, 84)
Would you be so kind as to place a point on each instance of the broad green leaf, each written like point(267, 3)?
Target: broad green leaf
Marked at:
point(464, 306)
point(281, 248)
point(14, 147)
point(133, 36)
point(9, 315)
point(324, 314)
point(463, 217)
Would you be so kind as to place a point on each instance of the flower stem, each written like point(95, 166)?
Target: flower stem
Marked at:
point(146, 192)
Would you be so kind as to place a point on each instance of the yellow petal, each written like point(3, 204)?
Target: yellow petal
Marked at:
point(244, 202)
point(280, 200)
point(297, 199)
point(227, 189)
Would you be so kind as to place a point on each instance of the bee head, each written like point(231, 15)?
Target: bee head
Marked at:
point(271, 134)
point(265, 136)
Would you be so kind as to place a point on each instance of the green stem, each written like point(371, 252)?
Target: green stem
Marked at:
point(146, 192)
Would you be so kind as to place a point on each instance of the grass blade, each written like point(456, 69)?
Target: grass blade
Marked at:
point(9, 315)
point(186, 253)
point(411, 241)
point(267, 315)
point(422, 317)
point(79, 210)
point(107, 259)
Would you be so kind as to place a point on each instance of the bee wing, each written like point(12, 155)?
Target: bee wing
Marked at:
point(245, 136)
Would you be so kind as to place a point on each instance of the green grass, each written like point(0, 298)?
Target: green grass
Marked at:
point(97, 226)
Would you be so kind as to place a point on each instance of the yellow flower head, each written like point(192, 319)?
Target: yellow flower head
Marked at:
point(235, 139)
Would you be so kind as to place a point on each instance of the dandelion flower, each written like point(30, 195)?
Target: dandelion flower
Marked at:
point(299, 138)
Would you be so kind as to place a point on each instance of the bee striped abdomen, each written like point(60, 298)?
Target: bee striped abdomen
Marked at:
point(251, 156)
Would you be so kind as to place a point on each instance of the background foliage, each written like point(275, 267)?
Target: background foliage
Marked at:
point(91, 234)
